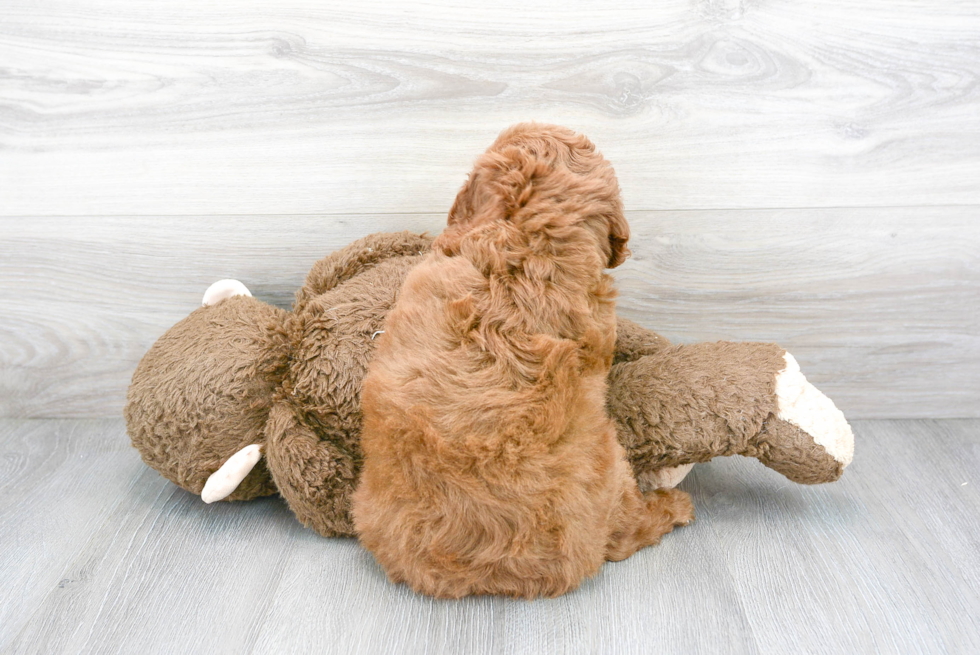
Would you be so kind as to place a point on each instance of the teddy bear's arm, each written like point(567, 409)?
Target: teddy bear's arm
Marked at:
point(315, 476)
point(687, 404)
point(356, 258)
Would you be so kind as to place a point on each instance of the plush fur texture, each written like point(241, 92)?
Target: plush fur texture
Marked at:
point(490, 465)
point(198, 395)
point(243, 372)
point(203, 391)
point(688, 392)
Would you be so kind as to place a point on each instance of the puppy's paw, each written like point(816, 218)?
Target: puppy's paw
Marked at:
point(803, 405)
point(677, 505)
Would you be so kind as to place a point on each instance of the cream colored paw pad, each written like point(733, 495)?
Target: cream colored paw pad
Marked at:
point(667, 478)
point(226, 479)
point(803, 405)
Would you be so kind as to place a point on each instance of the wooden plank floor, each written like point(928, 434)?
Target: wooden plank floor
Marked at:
point(100, 554)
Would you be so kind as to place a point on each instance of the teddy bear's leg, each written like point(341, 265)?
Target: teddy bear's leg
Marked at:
point(679, 405)
point(316, 477)
point(357, 257)
point(632, 342)
point(787, 448)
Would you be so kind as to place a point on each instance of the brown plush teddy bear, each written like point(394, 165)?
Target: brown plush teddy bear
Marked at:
point(242, 399)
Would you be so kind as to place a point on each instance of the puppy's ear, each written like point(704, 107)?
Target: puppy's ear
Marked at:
point(467, 200)
point(619, 235)
point(461, 213)
point(463, 204)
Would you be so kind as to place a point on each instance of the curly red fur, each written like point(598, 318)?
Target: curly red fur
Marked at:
point(490, 464)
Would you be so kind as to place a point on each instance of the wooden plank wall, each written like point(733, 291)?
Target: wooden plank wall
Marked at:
point(807, 173)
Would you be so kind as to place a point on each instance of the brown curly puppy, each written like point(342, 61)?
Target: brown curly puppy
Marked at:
point(490, 464)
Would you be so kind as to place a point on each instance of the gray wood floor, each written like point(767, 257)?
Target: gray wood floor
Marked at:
point(100, 554)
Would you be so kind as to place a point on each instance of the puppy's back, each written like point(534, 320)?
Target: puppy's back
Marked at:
point(490, 464)
point(482, 473)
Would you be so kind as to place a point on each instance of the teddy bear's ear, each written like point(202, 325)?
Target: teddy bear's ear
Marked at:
point(226, 479)
point(224, 289)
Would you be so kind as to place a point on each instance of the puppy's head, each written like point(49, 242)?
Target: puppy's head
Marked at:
point(538, 176)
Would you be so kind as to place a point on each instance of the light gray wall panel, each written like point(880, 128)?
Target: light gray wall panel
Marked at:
point(880, 306)
point(244, 107)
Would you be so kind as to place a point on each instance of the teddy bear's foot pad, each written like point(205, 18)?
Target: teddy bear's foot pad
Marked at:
point(665, 478)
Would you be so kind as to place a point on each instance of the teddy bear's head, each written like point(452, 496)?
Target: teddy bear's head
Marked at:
point(203, 391)
point(241, 399)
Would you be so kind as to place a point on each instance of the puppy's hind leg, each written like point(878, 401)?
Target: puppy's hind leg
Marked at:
point(644, 518)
